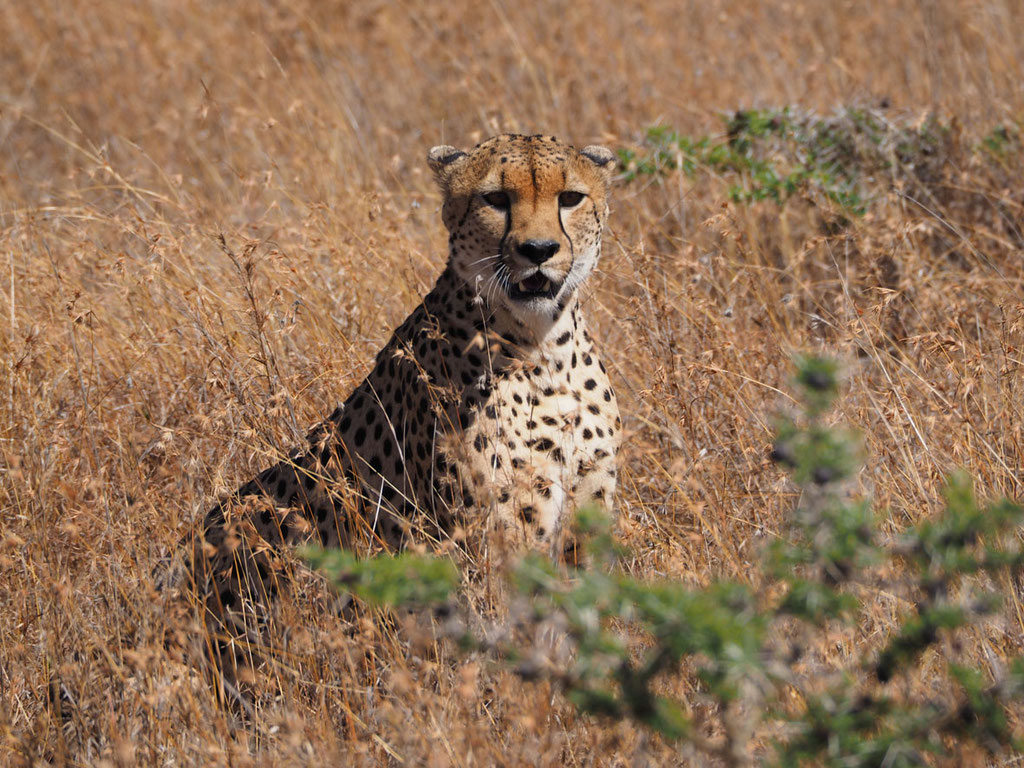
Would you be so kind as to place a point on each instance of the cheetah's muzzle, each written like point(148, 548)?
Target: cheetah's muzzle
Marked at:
point(536, 286)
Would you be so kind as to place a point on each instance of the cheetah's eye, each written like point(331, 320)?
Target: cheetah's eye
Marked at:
point(570, 199)
point(497, 200)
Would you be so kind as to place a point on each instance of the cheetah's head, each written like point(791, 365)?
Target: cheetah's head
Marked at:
point(525, 215)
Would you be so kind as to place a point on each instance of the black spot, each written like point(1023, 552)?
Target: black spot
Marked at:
point(479, 442)
point(543, 444)
point(589, 384)
point(607, 395)
point(587, 434)
point(548, 391)
point(376, 466)
point(360, 436)
point(556, 455)
point(528, 514)
point(593, 409)
point(563, 338)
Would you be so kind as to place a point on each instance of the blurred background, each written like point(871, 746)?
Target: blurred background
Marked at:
point(198, 88)
point(212, 214)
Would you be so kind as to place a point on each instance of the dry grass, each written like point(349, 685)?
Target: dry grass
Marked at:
point(143, 374)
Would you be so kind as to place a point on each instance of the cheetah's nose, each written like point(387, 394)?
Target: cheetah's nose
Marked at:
point(538, 251)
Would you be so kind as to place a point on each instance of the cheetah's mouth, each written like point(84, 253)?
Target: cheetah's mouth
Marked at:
point(536, 286)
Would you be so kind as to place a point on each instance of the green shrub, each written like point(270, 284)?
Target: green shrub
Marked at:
point(777, 154)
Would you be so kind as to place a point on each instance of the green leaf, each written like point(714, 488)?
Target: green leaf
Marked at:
point(390, 580)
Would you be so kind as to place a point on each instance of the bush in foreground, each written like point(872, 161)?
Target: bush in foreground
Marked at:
point(611, 641)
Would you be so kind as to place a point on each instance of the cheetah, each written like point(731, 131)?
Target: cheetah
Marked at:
point(489, 401)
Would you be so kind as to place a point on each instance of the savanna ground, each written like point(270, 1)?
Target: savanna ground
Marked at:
point(145, 370)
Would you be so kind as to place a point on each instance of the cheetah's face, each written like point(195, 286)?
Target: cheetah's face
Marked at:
point(525, 215)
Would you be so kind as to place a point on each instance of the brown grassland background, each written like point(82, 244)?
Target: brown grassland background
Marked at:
point(143, 373)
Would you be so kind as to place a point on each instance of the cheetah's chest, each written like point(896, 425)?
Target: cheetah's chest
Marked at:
point(536, 440)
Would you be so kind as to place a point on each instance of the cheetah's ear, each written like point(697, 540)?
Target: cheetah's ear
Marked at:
point(442, 161)
point(602, 157)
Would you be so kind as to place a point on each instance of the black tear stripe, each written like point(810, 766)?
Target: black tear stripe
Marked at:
point(465, 213)
point(560, 307)
point(508, 221)
point(572, 248)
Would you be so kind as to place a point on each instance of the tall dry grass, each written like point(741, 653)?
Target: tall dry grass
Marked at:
point(144, 372)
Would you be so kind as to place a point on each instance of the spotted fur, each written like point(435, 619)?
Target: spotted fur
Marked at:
point(489, 401)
